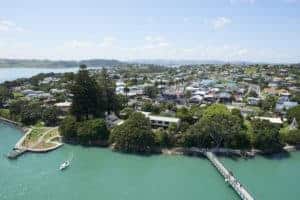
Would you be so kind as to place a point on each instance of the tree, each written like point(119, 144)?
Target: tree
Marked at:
point(50, 116)
point(4, 113)
point(68, 128)
point(147, 106)
point(197, 111)
point(15, 108)
point(5, 94)
point(296, 97)
point(215, 109)
point(126, 90)
point(266, 136)
point(162, 138)
point(151, 91)
point(134, 135)
point(108, 99)
point(69, 76)
point(31, 113)
point(237, 112)
point(269, 103)
point(291, 137)
point(92, 130)
point(126, 112)
point(252, 94)
point(217, 127)
point(225, 130)
point(185, 115)
point(85, 99)
point(294, 113)
point(121, 103)
point(195, 136)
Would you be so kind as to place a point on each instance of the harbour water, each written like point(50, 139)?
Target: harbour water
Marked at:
point(9, 74)
point(97, 173)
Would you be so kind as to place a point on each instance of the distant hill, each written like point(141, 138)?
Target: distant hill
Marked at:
point(184, 62)
point(8, 63)
point(175, 62)
point(35, 63)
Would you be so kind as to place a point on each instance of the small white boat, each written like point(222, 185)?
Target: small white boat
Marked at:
point(64, 165)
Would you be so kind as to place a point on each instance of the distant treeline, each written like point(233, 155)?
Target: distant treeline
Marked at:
point(8, 63)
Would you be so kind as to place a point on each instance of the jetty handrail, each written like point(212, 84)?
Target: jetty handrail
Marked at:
point(235, 184)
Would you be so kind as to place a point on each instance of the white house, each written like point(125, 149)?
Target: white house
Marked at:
point(161, 121)
point(64, 106)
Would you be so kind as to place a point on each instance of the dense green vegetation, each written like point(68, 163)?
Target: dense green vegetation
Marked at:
point(31, 112)
point(265, 135)
point(5, 94)
point(294, 113)
point(203, 127)
point(50, 116)
point(269, 103)
point(68, 128)
point(134, 135)
point(93, 96)
point(218, 127)
point(85, 132)
point(151, 91)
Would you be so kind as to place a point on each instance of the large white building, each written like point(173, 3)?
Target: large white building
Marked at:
point(161, 121)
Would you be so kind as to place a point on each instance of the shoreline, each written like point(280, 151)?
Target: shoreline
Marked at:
point(14, 124)
point(246, 154)
point(19, 149)
point(192, 151)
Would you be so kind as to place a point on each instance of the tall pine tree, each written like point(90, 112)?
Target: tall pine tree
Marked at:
point(85, 95)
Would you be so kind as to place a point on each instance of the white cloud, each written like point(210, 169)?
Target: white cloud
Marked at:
point(220, 22)
point(6, 26)
point(149, 47)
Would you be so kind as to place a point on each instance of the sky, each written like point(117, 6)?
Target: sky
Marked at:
point(228, 30)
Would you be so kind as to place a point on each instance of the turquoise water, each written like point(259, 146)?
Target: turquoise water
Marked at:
point(101, 174)
point(9, 74)
point(269, 178)
point(98, 173)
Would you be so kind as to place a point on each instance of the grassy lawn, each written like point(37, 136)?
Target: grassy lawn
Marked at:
point(43, 144)
point(51, 134)
point(34, 135)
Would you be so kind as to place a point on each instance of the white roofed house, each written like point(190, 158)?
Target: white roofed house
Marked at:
point(273, 120)
point(34, 94)
point(161, 121)
point(57, 91)
point(64, 106)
